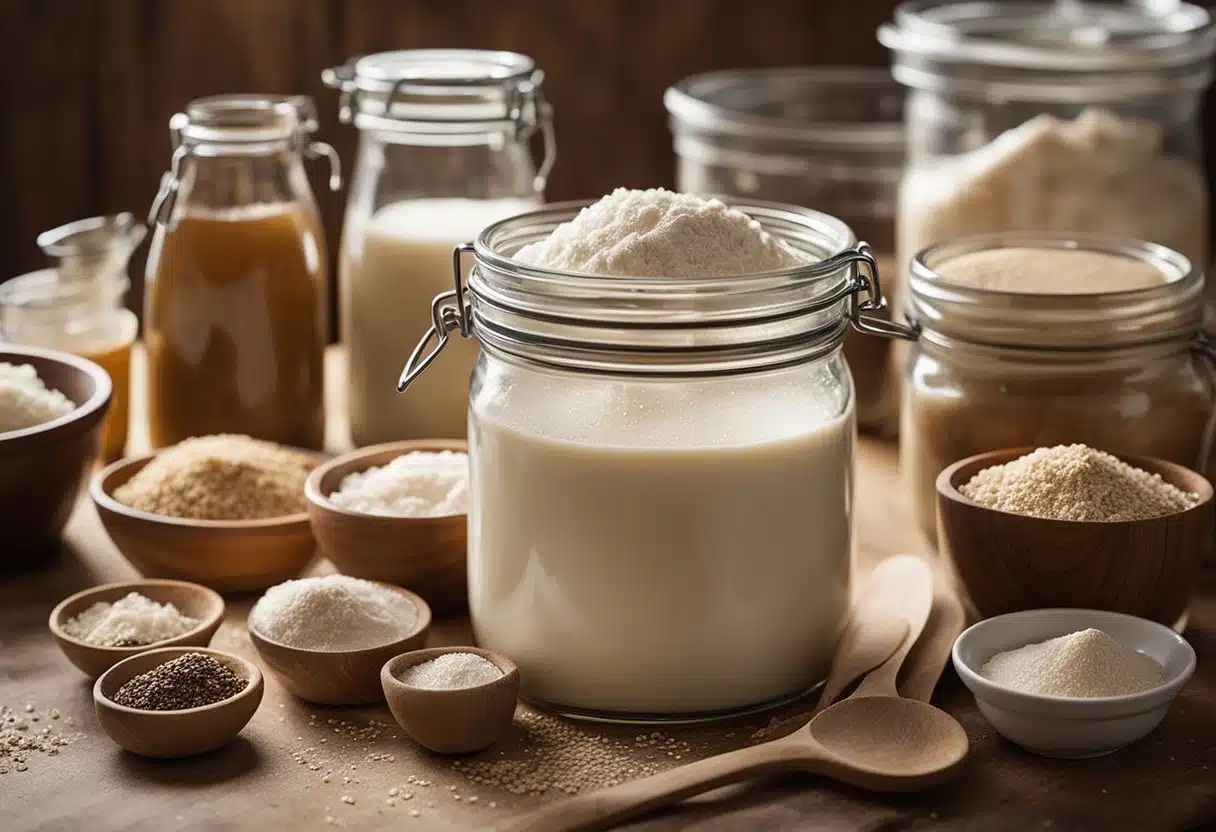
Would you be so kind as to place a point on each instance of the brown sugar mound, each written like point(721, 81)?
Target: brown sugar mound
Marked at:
point(1076, 482)
point(221, 477)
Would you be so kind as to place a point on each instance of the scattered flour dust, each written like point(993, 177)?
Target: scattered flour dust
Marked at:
point(1083, 665)
point(658, 233)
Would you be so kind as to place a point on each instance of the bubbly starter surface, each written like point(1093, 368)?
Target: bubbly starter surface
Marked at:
point(388, 282)
point(657, 548)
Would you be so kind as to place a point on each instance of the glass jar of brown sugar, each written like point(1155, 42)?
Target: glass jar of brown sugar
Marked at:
point(235, 303)
point(1039, 339)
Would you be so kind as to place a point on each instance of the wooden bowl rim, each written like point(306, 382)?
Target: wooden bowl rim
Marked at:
point(253, 674)
point(404, 661)
point(312, 485)
point(103, 389)
point(946, 488)
point(102, 498)
point(55, 622)
point(421, 626)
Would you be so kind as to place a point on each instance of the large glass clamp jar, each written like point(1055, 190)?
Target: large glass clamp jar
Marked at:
point(1063, 116)
point(662, 469)
point(1129, 372)
point(236, 307)
point(444, 150)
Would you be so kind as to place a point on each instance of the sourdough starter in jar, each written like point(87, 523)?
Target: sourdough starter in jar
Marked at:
point(660, 520)
point(405, 260)
point(633, 558)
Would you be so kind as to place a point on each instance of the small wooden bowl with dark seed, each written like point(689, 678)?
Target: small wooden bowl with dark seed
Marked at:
point(193, 600)
point(181, 733)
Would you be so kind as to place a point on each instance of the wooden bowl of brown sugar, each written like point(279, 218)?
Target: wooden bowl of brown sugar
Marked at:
point(232, 555)
point(1004, 561)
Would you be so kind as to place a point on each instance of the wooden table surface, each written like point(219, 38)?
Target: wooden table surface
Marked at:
point(295, 762)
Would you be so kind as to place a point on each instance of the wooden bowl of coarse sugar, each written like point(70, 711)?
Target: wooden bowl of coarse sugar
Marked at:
point(1004, 562)
point(226, 555)
point(426, 554)
point(203, 605)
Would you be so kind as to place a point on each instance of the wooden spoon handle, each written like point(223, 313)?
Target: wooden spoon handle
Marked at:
point(604, 808)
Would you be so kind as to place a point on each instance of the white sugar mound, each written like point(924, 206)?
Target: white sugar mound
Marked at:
point(417, 484)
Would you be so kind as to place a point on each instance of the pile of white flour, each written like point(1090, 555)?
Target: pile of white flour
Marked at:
point(658, 233)
point(25, 400)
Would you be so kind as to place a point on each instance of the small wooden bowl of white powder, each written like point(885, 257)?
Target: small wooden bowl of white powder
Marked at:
point(452, 700)
point(99, 627)
point(326, 638)
point(1072, 526)
point(397, 513)
point(1073, 683)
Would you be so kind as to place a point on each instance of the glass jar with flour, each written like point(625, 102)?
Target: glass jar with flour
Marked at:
point(444, 150)
point(661, 447)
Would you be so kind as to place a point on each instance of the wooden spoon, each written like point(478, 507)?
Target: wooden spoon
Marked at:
point(928, 658)
point(878, 742)
point(878, 624)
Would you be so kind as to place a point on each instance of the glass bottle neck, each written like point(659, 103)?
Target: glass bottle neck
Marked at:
point(247, 180)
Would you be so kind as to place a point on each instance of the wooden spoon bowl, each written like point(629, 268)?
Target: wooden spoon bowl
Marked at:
point(181, 733)
point(426, 554)
point(190, 599)
point(340, 677)
point(1005, 562)
point(226, 555)
point(458, 721)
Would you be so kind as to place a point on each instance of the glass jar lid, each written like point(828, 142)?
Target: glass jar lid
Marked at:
point(440, 91)
point(842, 106)
point(1121, 50)
point(949, 312)
point(669, 327)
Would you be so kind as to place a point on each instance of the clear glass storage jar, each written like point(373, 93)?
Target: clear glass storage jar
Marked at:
point(77, 306)
point(444, 150)
point(830, 138)
point(1063, 116)
point(1127, 372)
point(662, 487)
point(235, 306)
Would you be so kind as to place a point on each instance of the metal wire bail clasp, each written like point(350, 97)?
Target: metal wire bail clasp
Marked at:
point(868, 282)
point(445, 317)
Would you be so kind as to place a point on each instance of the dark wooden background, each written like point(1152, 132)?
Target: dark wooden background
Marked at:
point(88, 86)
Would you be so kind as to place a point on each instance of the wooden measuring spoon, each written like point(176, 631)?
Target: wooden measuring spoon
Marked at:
point(878, 742)
point(877, 625)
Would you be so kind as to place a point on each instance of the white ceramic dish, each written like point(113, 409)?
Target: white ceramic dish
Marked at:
point(1063, 727)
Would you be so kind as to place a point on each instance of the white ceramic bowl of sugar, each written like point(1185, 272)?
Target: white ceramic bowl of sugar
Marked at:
point(1065, 727)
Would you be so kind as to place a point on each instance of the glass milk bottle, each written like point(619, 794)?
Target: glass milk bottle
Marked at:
point(235, 306)
point(444, 151)
point(77, 306)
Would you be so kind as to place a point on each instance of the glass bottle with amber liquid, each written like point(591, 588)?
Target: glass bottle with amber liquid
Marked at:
point(235, 301)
